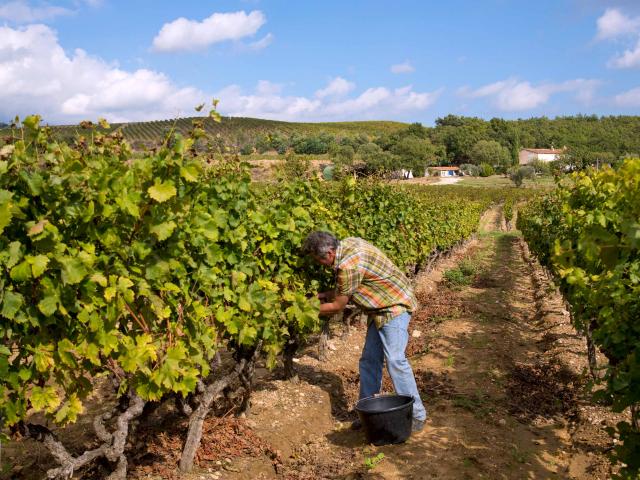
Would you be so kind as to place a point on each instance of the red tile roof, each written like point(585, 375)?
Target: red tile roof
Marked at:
point(443, 168)
point(544, 150)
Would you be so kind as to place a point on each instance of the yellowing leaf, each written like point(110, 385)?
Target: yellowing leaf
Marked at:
point(162, 191)
point(163, 230)
point(190, 172)
point(37, 228)
point(99, 278)
point(109, 293)
point(44, 398)
point(70, 410)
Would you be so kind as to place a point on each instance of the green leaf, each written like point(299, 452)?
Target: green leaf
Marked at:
point(6, 208)
point(15, 254)
point(73, 271)
point(34, 181)
point(38, 264)
point(32, 122)
point(21, 272)
point(11, 303)
point(66, 351)
point(163, 230)
point(162, 191)
point(48, 305)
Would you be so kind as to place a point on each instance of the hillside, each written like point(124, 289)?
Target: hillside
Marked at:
point(238, 129)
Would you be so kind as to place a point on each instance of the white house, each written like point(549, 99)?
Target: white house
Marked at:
point(528, 155)
point(444, 171)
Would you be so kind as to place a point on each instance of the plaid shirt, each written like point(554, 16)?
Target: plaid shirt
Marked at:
point(373, 282)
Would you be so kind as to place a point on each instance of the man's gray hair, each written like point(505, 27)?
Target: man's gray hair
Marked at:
point(319, 244)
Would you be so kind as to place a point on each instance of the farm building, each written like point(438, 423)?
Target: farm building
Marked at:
point(528, 155)
point(444, 171)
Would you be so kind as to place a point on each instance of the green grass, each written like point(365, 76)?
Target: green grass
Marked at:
point(460, 276)
point(502, 181)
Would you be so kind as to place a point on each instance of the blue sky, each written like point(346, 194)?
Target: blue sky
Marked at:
point(319, 60)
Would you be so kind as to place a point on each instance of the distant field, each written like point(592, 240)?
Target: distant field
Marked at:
point(502, 181)
point(235, 129)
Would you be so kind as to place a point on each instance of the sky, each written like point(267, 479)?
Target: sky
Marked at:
point(318, 60)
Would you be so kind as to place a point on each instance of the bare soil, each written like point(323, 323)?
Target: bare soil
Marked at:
point(499, 367)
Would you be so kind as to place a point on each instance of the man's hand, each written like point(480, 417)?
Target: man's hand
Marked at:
point(338, 304)
point(326, 296)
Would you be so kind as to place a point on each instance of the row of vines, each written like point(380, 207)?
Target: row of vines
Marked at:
point(136, 273)
point(587, 233)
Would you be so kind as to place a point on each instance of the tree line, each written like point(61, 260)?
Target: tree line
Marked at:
point(494, 145)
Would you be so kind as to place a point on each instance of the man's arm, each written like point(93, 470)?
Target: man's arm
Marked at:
point(327, 296)
point(338, 304)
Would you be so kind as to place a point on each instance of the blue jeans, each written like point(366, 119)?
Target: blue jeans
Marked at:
point(389, 344)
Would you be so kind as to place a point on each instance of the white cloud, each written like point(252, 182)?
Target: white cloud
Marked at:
point(336, 88)
point(377, 102)
point(515, 95)
point(184, 34)
point(629, 59)
point(266, 87)
point(20, 11)
point(37, 76)
point(263, 43)
point(613, 23)
point(628, 99)
point(404, 67)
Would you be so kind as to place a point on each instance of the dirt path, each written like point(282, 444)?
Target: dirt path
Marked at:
point(498, 365)
point(447, 180)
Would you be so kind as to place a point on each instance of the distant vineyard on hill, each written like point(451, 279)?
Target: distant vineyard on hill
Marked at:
point(235, 129)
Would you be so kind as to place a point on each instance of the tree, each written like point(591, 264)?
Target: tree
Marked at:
point(342, 156)
point(375, 159)
point(414, 153)
point(580, 158)
point(520, 174)
point(492, 153)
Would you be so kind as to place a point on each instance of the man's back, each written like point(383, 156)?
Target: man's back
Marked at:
point(372, 280)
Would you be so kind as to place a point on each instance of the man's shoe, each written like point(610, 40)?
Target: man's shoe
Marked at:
point(356, 424)
point(417, 425)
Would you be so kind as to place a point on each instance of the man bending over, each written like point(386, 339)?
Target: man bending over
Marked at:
point(366, 276)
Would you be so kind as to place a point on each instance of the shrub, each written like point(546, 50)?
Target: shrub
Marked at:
point(470, 169)
point(455, 277)
point(246, 149)
point(519, 175)
point(486, 170)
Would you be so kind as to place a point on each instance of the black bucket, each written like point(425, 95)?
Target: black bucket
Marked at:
point(386, 418)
